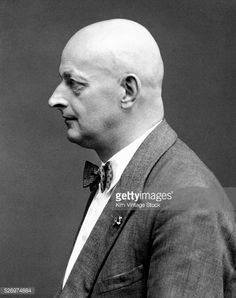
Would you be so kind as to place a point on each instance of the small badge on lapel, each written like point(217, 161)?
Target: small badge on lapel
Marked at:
point(117, 221)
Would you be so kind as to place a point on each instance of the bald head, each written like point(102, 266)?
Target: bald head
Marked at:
point(110, 92)
point(122, 46)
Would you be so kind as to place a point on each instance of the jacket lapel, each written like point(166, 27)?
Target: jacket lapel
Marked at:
point(96, 249)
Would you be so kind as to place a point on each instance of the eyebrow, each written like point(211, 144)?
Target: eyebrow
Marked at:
point(67, 75)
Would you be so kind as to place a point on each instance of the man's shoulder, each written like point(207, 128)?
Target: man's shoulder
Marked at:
point(165, 164)
point(180, 167)
point(192, 184)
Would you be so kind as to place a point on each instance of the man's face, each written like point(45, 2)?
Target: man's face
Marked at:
point(88, 98)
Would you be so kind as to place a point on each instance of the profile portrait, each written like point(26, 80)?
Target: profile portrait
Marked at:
point(117, 149)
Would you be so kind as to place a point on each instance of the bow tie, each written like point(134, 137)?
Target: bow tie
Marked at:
point(93, 175)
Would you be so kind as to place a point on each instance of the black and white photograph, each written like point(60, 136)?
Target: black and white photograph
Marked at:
point(117, 149)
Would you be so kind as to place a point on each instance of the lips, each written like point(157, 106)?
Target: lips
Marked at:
point(69, 118)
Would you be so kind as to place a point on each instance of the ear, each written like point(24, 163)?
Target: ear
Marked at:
point(131, 85)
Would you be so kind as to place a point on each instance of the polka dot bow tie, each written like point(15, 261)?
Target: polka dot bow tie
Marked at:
point(93, 175)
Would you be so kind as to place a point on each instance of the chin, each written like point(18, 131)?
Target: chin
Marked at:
point(77, 138)
point(74, 137)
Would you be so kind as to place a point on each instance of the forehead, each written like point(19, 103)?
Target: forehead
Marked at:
point(73, 62)
point(85, 62)
point(72, 56)
point(80, 49)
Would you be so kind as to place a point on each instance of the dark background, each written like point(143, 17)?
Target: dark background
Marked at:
point(41, 172)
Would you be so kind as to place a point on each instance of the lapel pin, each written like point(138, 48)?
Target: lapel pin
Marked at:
point(117, 221)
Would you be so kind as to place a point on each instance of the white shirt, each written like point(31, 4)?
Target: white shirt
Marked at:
point(118, 161)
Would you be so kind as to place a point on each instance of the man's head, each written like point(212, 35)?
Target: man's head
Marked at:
point(110, 91)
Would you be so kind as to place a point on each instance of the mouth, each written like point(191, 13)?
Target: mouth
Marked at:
point(68, 119)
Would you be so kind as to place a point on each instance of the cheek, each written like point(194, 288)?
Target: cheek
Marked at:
point(111, 116)
point(77, 107)
point(110, 123)
point(97, 108)
point(110, 110)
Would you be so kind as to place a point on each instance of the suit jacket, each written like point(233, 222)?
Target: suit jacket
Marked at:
point(186, 247)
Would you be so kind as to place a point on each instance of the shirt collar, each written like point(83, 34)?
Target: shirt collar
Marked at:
point(120, 160)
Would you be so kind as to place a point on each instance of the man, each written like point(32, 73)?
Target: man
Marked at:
point(177, 239)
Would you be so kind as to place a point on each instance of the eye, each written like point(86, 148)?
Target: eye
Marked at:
point(75, 86)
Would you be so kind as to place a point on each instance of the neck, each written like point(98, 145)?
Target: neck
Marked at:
point(115, 144)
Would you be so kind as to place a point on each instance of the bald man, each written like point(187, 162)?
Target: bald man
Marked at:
point(157, 222)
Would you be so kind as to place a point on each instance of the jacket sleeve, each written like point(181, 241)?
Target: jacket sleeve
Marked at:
point(193, 248)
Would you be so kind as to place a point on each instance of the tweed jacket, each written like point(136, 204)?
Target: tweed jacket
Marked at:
point(185, 247)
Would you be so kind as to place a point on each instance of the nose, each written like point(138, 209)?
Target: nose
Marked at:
point(58, 98)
